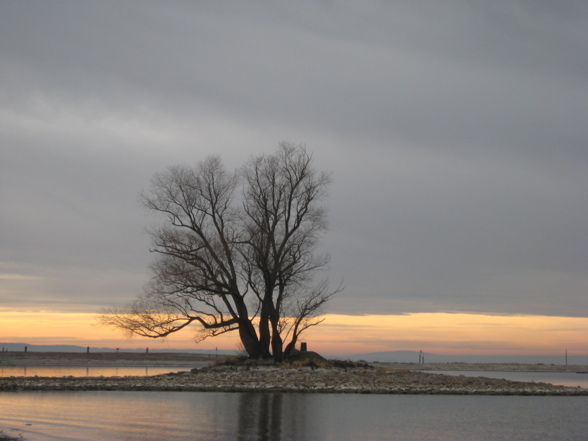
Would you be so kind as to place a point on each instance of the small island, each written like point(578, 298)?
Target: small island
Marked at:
point(308, 374)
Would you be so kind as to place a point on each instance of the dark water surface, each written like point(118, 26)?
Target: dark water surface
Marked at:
point(194, 416)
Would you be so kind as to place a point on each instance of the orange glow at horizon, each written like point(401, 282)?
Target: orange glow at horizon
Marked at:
point(452, 334)
point(441, 333)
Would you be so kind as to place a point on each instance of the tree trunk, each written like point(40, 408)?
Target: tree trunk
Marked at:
point(264, 325)
point(289, 348)
point(247, 333)
point(249, 340)
point(277, 342)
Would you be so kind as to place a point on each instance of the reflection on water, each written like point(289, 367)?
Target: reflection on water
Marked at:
point(266, 416)
point(260, 416)
point(210, 416)
point(88, 371)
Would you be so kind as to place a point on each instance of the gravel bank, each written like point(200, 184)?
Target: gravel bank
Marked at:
point(275, 379)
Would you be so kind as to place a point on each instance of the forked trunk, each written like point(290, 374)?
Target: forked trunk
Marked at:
point(249, 340)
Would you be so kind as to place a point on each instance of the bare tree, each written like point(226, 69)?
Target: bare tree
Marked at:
point(285, 217)
point(236, 253)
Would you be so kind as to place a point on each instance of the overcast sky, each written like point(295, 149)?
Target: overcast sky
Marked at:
point(456, 132)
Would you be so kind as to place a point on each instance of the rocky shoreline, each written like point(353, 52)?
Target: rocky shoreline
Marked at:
point(302, 379)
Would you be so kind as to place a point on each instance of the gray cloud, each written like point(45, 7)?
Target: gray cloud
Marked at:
point(455, 132)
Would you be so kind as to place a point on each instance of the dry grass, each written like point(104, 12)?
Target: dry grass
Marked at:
point(226, 361)
point(393, 370)
point(314, 364)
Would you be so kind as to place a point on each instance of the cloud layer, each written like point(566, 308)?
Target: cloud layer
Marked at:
point(455, 132)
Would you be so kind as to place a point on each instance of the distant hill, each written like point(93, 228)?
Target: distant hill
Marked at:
point(413, 357)
point(20, 347)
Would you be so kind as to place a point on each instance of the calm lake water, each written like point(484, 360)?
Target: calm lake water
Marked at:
point(62, 371)
point(195, 416)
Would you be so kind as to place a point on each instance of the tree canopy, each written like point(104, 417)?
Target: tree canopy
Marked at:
point(236, 252)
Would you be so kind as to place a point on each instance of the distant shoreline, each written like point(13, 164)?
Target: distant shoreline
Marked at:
point(105, 359)
point(192, 360)
point(488, 367)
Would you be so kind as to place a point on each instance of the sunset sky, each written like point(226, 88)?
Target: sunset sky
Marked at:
point(455, 131)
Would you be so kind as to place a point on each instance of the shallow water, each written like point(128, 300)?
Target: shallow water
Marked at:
point(194, 416)
point(91, 371)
